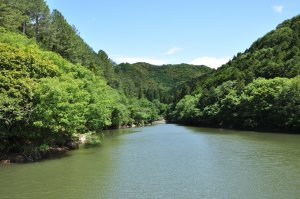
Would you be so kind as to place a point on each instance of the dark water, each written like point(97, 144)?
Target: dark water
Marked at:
point(166, 161)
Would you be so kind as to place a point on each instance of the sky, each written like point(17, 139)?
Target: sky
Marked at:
point(208, 32)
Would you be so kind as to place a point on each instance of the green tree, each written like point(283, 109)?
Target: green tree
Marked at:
point(38, 13)
point(10, 18)
point(186, 110)
point(108, 69)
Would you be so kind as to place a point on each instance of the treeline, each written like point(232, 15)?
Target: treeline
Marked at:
point(263, 104)
point(257, 89)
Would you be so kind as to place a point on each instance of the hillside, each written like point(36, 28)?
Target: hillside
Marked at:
point(257, 89)
point(277, 54)
point(155, 82)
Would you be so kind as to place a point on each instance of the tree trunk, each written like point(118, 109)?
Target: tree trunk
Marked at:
point(36, 27)
point(24, 27)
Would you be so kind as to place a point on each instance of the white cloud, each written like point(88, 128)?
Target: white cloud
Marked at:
point(278, 8)
point(212, 62)
point(133, 60)
point(173, 50)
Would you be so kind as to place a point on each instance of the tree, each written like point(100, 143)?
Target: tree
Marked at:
point(10, 18)
point(108, 69)
point(61, 37)
point(38, 13)
point(186, 110)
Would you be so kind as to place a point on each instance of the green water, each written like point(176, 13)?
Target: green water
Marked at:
point(166, 161)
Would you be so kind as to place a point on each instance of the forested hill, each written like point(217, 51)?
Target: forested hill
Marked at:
point(155, 82)
point(277, 54)
point(257, 89)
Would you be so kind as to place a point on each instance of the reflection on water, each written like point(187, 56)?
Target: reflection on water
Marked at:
point(166, 161)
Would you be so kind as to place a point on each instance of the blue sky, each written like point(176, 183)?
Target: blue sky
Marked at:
point(174, 31)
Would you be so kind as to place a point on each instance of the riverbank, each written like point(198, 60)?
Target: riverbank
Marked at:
point(163, 121)
point(88, 139)
point(33, 156)
point(235, 128)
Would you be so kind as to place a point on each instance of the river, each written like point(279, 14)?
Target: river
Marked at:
point(165, 161)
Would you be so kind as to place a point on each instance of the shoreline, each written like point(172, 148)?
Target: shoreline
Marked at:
point(52, 152)
point(259, 130)
point(56, 152)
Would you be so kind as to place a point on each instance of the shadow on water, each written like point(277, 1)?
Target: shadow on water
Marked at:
point(248, 135)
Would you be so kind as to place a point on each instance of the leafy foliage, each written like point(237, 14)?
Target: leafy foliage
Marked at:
point(45, 99)
point(263, 104)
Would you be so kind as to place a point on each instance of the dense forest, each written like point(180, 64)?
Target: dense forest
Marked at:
point(54, 86)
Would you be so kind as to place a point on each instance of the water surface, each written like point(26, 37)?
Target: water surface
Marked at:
point(166, 161)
